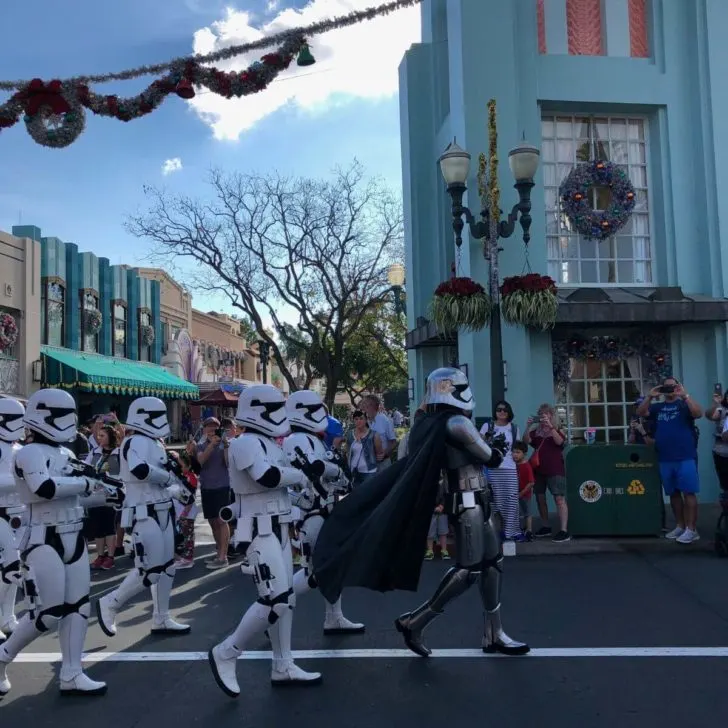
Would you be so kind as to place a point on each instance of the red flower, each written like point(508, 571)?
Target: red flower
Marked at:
point(530, 283)
point(462, 287)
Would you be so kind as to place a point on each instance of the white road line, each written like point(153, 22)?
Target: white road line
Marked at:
point(558, 652)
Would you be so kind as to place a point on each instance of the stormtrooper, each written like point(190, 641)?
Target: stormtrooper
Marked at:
point(55, 488)
point(308, 417)
point(376, 537)
point(260, 476)
point(151, 481)
point(11, 512)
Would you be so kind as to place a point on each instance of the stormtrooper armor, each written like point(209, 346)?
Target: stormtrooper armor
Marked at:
point(479, 554)
point(11, 512)
point(150, 486)
point(318, 495)
point(55, 568)
point(260, 476)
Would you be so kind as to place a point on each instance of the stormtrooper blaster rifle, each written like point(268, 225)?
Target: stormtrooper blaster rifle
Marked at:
point(343, 484)
point(312, 470)
point(179, 488)
point(113, 488)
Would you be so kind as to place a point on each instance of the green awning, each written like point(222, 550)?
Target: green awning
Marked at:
point(109, 375)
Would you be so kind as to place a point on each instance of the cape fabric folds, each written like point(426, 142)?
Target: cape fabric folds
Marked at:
point(376, 537)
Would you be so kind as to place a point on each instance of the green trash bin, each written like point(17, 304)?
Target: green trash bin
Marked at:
point(613, 490)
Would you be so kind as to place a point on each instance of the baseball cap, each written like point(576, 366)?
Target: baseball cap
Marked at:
point(211, 421)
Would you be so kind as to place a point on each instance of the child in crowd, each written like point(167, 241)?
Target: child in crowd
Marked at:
point(186, 518)
point(526, 481)
point(439, 527)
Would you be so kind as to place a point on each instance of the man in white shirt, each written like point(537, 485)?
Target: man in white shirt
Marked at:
point(382, 425)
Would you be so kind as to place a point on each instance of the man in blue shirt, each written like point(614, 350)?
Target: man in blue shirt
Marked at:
point(334, 435)
point(676, 445)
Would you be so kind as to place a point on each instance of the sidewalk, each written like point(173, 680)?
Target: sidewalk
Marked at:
point(707, 518)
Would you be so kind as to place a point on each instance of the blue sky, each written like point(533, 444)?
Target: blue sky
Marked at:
point(343, 107)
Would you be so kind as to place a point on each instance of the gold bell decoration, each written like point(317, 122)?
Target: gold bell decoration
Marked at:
point(305, 57)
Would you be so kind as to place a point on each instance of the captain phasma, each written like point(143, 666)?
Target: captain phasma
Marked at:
point(260, 476)
point(309, 419)
point(55, 488)
point(375, 538)
point(151, 481)
point(12, 510)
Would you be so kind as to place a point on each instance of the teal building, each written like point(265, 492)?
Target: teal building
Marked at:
point(101, 332)
point(633, 82)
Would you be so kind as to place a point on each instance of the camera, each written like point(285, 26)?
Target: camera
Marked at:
point(667, 389)
point(219, 432)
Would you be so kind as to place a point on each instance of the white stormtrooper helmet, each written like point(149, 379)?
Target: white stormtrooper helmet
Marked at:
point(148, 415)
point(11, 419)
point(52, 414)
point(450, 386)
point(263, 408)
point(305, 409)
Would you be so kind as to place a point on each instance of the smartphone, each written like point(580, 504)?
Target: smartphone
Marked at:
point(666, 389)
point(219, 432)
point(718, 388)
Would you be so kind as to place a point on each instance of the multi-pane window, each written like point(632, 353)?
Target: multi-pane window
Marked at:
point(601, 395)
point(624, 258)
point(89, 308)
point(54, 297)
point(119, 316)
point(145, 349)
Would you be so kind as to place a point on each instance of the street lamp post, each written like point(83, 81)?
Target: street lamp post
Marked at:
point(396, 278)
point(264, 351)
point(455, 167)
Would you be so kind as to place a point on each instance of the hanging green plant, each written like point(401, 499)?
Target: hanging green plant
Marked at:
point(529, 300)
point(460, 304)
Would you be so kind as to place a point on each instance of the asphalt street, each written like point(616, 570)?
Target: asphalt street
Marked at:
point(605, 631)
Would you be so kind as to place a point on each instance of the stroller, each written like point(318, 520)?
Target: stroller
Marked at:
point(721, 529)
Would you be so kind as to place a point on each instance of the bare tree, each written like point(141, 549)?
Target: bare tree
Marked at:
point(318, 247)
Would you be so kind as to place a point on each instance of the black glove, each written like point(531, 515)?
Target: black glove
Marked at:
point(174, 467)
point(496, 458)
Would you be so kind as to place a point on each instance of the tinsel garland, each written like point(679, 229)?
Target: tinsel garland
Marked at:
point(54, 111)
point(652, 349)
point(277, 39)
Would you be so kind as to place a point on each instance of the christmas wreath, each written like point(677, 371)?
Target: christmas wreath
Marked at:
point(529, 300)
point(574, 193)
point(92, 320)
point(147, 335)
point(8, 332)
point(460, 303)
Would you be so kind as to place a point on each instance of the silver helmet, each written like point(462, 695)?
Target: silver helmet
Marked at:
point(450, 386)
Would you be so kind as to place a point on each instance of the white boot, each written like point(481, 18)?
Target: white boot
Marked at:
point(24, 634)
point(336, 623)
point(8, 622)
point(71, 635)
point(110, 605)
point(4, 682)
point(82, 684)
point(285, 671)
point(106, 614)
point(223, 657)
point(162, 623)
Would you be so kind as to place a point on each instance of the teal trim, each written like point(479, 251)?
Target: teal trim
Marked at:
point(155, 289)
point(132, 323)
point(73, 280)
point(105, 297)
point(27, 231)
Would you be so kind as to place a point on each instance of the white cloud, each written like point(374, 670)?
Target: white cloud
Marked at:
point(356, 62)
point(171, 165)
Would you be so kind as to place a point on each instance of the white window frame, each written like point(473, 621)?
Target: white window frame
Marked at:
point(553, 115)
point(566, 403)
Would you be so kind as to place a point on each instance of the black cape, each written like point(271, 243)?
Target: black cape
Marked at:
point(376, 537)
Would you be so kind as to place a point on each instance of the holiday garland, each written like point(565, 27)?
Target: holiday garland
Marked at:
point(653, 349)
point(54, 114)
point(575, 202)
point(8, 332)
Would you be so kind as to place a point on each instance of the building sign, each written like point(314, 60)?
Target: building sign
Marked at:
point(590, 491)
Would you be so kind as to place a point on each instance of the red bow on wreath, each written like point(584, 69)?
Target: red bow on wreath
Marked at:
point(38, 94)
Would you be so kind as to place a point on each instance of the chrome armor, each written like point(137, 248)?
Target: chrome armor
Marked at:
point(318, 494)
point(479, 554)
point(260, 476)
point(150, 484)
